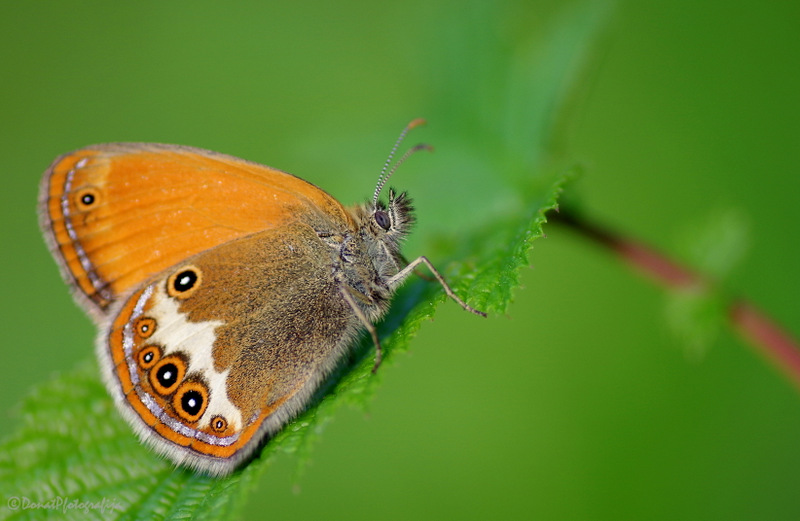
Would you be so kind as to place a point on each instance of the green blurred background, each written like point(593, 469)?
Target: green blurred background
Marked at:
point(580, 403)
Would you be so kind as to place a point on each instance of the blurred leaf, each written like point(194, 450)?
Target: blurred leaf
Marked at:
point(714, 245)
point(71, 443)
point(508, 74)
point(695, 317)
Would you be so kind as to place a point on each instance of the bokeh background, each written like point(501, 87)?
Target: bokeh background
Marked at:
point(580, 403)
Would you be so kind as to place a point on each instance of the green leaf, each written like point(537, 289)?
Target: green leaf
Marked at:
point(71, 455)
point(714, 245)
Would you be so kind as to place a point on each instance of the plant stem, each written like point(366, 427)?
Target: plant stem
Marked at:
point(755, 326)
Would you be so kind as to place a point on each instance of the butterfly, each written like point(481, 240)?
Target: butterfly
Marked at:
point(224, 291)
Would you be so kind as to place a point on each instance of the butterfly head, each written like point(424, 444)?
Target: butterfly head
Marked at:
point(391, 223)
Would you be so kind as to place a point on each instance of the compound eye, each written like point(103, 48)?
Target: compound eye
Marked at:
point(382, 218)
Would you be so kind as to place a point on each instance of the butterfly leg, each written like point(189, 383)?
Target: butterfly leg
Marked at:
point(403, 274)
point(366, 323)
point(416, 272)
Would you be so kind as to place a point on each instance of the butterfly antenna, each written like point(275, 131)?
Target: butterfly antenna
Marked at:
point(416, 148)
point(385, 176)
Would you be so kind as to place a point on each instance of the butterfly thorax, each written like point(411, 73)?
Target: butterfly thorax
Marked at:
point(371, 256)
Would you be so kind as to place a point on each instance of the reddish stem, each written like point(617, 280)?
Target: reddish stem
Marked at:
point(760, 331)
point(767, 336)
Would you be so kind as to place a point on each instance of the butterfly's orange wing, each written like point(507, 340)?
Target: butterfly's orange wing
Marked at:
point(116, 214)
